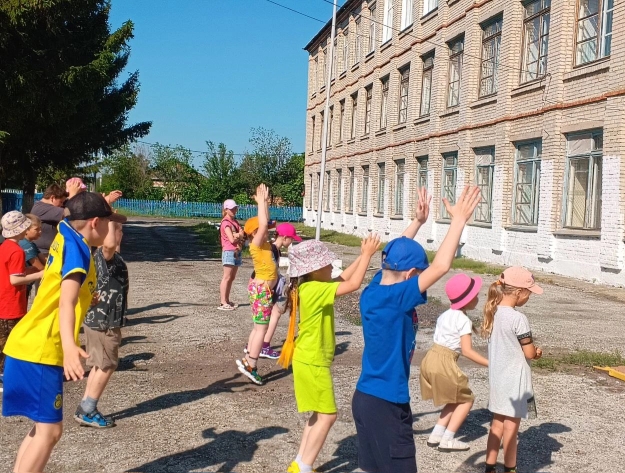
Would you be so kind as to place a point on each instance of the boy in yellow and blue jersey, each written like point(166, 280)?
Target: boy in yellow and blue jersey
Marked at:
point(44, 345)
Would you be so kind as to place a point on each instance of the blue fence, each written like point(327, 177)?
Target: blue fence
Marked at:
point(14, 200)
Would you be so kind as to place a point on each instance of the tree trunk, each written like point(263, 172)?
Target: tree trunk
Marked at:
point(29, 192)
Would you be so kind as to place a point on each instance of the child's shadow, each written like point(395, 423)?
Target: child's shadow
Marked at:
point(535, 449)
point(346, 457)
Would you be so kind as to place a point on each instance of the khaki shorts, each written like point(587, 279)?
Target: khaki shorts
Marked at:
point(441, 378)
point(103, 348)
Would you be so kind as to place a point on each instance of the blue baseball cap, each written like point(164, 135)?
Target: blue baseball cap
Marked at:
point(404, 254)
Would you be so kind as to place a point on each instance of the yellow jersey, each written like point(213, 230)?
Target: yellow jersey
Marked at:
point(37, 338)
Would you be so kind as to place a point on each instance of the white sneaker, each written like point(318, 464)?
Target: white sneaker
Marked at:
point(454, 445)
point(434, 441)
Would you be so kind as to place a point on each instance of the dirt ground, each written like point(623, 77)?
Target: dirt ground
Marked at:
point(181, 405)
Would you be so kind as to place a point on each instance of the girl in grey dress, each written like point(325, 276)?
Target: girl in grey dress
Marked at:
point(510, 346)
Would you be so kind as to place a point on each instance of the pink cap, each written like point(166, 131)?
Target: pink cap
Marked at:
point(230, 204)
point(288, 230)
point(77, 180)
point(461, 289)
point(520, 277)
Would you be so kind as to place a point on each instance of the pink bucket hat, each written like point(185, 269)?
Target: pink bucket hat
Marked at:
point(288, 230)
point(461, 289)
point(78, 181)
point(520, 277)
point(309, 256)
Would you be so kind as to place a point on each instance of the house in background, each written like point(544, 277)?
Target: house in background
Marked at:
point(524, 99)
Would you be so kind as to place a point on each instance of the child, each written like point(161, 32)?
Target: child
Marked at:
point(231, 241)
point(102, 327)
point(315, 292)
point(34, 257)
point(44, 345)
point(14, 277)
point(441, 378)
point(510, 345)
point(260, 288)
point(381, 403)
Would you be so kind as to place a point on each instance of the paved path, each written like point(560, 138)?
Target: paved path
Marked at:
point(181, 406)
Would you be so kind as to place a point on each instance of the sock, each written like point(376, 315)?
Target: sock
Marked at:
point(265, 344)
point(305, 468)
point(490, 468)
point(298, 459)
point(89, 404)
point(251, 361)
point(511, 469)
point(438, 430)
point(448, 436)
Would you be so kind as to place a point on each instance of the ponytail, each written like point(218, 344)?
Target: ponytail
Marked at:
point(292, 296)
point(495, 294)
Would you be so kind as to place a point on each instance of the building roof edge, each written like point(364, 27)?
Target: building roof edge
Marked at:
point(341, 11)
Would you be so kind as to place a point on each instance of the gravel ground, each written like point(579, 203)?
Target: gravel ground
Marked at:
point(181, 405)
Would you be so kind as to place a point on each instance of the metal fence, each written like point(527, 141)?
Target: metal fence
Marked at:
point(13, 200)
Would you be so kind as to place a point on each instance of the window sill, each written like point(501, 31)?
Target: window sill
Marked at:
point(314, 95)
point(422, 120)
point(339, 144)
point(370, 55)
point(399, 127)
point(452, 2)
point(578, 232)
point(488, 225)
point(583, 70)
point(380, 132)
point(443, 221)
point(362, 214)
point(365, 137)
point(396, 217)
point(378, 215)
point(527, 87)
point(406, 31)
point(488, 100)
point(355, 67)
point(349, 212)
point(342, 75)
point(386, 45)
point(351, 141)
point(455, 111)
point(521, 228)
point(322, 89)
point(429, 15)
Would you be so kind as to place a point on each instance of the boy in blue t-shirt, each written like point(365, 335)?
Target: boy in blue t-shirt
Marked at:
point(381, 403)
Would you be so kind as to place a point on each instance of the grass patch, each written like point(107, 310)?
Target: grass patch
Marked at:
point(209, 235)
point(581, 358)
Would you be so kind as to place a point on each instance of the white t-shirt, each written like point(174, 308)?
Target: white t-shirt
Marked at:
point(450, 326)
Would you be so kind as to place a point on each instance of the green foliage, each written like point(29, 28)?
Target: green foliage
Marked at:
point(173, 171)
point(222, 174)
point(583, 358)
point(128, 171)
point(290, 181)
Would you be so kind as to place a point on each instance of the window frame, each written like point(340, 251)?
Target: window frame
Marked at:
point(379, 208)
point(354, 124)
point(372, 28)
point(311, 192)
point(345, 61)
point(404, 86)
point(387, 26)
point(429, 6)
point(364, 194)
point(543, 15)
point(428, 71)
point(600, 39)
point(385, 81)
point(457, 59)
point(594, 191)
point(338, 198)
point(316, 202)
point(358, 40)
point(495, 38)
point(368, 102)
point(534, 203)
point(313, 126)
point(406, 15)
point(349, 202)
point(321, 116)
point(328, 189)
point(490, 170)
point(330, 120)
point(453, 168)
point(341, 119)
point(400, 189)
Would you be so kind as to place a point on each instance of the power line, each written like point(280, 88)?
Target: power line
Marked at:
point(295, 11)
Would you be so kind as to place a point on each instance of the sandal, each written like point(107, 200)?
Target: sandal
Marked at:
point(225, 307)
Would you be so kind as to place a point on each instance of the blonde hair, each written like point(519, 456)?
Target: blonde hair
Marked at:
point(35, 221)
point(496, 291)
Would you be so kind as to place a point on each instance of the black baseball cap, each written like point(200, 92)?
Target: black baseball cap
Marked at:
point(87, 205)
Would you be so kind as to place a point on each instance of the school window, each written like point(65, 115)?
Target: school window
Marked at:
point(328, 187)
point(324, 72)
point(426, 84)
point(354, 113)
point(456, 50)
point(331, 119)
point(381, 188)
point(341, 119)
point(403, 94)
point(400, 168)
point(583, 180)
point(339, 190)
point(334, 58)
point(358, 40)
point(315, 74)
point(594, 30)
point(321, 114)
point(318, 187)
point(484, 171)
point(527, 183)
point(364, 197)
point(351, 182)
point(372, 27)
point(406, 14)
point(429, 5)
point(387, 29)
point(535, 39)
point(384, 102)
point(310, 192)
point(312, 140)
point(491, 41)
point(369, 97)
point(422, 177)
point(450, 173)
point(345, 50)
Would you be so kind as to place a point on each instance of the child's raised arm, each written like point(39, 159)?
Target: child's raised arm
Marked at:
point(421, 215)
point(262, 194)
point(367, 249)
point(460, 214)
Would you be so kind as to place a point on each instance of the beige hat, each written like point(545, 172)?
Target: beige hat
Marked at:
point(14, 223)
point(520, 277)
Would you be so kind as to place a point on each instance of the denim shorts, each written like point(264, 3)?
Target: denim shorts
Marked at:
point(231, 258)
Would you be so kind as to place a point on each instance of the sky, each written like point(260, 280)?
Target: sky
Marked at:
point(210, 70)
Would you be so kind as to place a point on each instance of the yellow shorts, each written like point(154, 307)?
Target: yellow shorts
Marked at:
point(314, 390)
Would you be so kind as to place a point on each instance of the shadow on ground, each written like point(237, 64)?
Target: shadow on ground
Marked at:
point(227, 450)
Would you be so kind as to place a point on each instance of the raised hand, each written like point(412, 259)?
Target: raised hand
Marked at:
point(262, 194)
point(423, 205)
point(370, 245)
point(113, 197)
point(73, 187)
point(465, 205)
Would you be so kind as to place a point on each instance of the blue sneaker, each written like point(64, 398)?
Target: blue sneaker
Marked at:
point(93, 419)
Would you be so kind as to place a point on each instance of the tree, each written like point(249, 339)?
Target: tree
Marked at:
point(290, 187)
point(172, 169)
point(129, 171)
point(61, 98)
point(222, 174)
